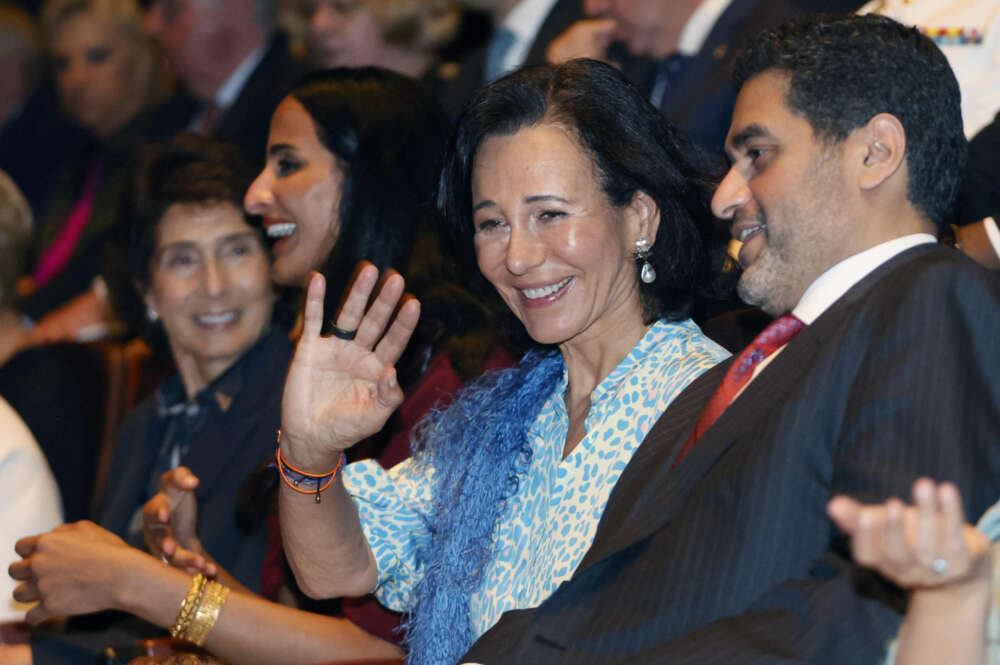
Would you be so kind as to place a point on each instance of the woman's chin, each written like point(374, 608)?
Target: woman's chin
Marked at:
point(286, 273)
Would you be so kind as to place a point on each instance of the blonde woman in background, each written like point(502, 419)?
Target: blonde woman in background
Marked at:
point(106, 73)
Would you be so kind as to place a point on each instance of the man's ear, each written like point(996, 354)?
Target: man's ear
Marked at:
point(882, 144)
point(642, 217)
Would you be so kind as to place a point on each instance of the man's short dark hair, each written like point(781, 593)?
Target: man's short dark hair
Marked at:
point(844, 70)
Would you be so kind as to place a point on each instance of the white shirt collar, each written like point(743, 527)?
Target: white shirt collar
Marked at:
point(700, 25)
point(836, 281)
point(524, 20)
point(230, 90)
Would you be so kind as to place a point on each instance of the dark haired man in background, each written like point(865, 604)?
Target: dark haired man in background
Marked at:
point(690, 45)
point(846, 150)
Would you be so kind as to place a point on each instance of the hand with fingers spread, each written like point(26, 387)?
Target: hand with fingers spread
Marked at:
point(73, 569)
point(169, 523)
point(340, 391)
point(929, 549)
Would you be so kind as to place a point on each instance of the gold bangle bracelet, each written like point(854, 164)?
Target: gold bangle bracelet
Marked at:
point(188, 606)
point(212, 600)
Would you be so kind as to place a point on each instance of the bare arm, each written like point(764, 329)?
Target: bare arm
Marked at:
point(945, 563)
point(82, 568)
point(339, 392)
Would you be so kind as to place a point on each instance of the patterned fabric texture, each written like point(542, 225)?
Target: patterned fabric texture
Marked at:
point(550, 522)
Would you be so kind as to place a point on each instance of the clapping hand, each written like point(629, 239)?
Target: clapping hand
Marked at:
point(340, 390)
point(169, 523)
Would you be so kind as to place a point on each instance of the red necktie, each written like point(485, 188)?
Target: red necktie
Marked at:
point(773, 337)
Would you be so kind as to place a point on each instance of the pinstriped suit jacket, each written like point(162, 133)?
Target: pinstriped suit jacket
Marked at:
point(730, 558)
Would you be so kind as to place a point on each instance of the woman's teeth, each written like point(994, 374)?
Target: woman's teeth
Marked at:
point(281, 230)
point(216, 319)
point(543, 291)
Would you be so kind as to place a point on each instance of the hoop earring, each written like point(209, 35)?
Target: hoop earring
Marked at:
point(642, 253)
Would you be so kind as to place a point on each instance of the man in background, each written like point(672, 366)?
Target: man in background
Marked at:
point(235, 66)
point(690, 45)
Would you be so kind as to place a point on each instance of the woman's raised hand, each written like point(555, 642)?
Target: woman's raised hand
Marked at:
point(341, 391)
point(924, 546)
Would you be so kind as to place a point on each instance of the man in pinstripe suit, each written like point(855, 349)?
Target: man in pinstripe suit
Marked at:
point(846, 148)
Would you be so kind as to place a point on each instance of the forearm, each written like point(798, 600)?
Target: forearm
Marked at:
point(943, 626)
point(250, 630)
point(324, 543)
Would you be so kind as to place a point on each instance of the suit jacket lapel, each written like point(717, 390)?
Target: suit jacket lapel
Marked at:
point(649, 494)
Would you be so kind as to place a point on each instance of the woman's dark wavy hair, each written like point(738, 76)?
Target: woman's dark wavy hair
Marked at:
point(844, 70)
point(633, 147)
point(189, 169)
point(386, 132)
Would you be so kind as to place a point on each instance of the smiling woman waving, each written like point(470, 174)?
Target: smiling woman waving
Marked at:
point(578, 204)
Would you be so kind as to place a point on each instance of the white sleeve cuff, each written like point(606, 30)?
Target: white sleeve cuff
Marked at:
point(992, 233)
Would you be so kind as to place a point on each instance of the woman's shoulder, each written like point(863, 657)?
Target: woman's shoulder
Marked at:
point(685, 343)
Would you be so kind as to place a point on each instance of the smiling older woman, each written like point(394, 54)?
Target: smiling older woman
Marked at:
point(201, 271)
point(580, 207)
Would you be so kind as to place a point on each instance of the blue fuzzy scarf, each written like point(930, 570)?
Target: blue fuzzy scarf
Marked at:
point(478, 447)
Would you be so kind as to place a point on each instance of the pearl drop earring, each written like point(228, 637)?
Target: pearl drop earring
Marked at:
point(642, 253)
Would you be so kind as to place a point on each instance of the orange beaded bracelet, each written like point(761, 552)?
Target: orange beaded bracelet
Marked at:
point(289, 472)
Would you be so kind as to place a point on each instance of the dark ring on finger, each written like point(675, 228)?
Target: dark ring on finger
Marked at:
point(340, 333)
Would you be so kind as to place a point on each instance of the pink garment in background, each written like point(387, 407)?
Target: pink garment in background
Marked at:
point(57, 254)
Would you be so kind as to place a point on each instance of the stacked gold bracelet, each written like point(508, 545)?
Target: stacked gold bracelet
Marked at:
point(188, 606)
point(200, 610)
point(212, 599)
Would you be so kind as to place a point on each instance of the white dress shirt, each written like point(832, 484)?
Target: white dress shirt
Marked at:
point(231, 88)
point(524, 21)
point(700, 24)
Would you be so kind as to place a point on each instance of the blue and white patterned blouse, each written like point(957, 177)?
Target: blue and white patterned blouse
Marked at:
point(550, 522)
